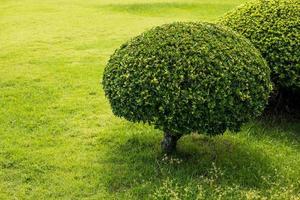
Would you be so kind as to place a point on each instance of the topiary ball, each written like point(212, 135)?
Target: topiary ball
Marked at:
point(188, 77)
point(273, 26)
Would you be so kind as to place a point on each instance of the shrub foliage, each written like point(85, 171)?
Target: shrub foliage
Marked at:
point(188, 77)
point(273, 26)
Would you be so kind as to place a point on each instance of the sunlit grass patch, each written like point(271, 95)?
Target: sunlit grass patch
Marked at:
point(171, 9)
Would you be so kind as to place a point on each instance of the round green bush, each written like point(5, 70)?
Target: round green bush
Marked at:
point(188, 77)
point(273, 26)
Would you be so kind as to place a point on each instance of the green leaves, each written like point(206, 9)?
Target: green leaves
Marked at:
point(273, 27)
point(188, 77)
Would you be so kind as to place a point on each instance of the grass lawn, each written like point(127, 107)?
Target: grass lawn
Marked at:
point(60, 140)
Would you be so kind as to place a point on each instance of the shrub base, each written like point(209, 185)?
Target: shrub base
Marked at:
point(169, 142)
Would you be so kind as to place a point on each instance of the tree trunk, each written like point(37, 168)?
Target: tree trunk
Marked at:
point(168, 144)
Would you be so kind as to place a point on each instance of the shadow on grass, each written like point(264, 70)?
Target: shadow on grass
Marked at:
point(137, 165)
point(278, 129)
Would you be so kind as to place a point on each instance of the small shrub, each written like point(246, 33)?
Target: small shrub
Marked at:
point(273, 26)
point(187, 77)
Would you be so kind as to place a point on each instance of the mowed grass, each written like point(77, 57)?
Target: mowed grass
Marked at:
point(59, 139)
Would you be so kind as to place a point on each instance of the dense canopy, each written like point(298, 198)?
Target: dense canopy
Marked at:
point(273, 27)
point(188, 77)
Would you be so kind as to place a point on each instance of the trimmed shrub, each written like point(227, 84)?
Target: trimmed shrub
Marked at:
point(273, 26)
point(187, 77)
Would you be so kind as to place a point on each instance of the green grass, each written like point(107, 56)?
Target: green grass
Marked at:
point(59, 139)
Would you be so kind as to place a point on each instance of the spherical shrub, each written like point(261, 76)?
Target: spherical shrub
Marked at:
point(188, 77)
point(273, 27)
